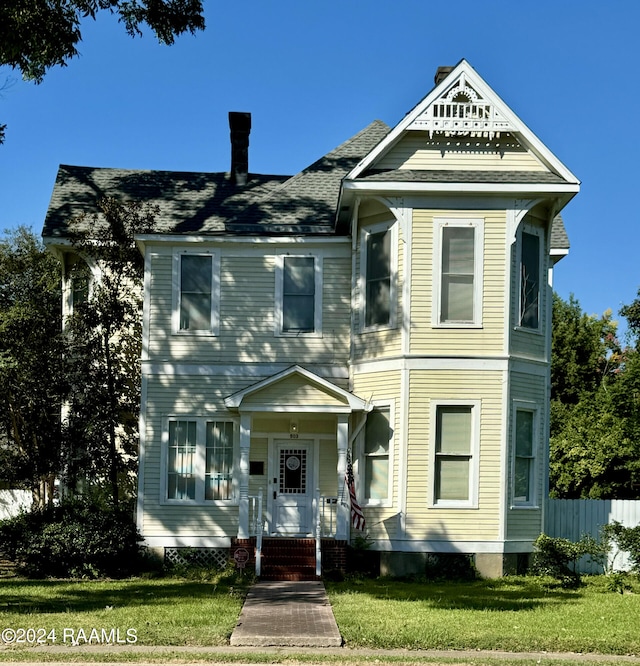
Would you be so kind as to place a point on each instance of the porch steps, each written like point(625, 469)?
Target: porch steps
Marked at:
point(288, 559)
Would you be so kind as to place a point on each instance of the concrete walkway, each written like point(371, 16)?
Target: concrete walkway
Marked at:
point(287, 614)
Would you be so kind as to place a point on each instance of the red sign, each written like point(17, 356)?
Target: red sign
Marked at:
point(241, 556)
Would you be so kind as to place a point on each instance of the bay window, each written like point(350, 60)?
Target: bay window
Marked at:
point(455, 446)
point(458, 263)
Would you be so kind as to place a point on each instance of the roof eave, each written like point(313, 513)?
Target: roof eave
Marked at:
point(462, 188)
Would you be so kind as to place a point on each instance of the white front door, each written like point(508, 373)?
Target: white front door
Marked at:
point(293, 488)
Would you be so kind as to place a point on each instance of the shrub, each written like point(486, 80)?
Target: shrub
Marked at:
point(73, 540)
point(558, 557)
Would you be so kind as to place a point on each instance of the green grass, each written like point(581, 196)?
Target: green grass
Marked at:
point(163, 611)
point(513, 614)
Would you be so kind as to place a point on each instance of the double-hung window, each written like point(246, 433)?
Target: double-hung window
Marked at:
point(377, 274)
point(298, 295)
point(524, 458)
point(196, 291)
point(458, 264)
point(529, 280)
point(455, 439)
point(181, 465)
point(378, 437)
point(198, 460)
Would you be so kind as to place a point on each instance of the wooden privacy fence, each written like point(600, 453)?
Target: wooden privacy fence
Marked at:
point(571, 519)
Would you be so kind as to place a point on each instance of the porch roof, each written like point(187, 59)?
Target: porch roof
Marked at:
point(295, 389)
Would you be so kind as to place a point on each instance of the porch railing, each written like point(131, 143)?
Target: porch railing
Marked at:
point(326, 514)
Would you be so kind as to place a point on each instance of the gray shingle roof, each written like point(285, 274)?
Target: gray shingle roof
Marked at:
point(188, 202)
point(453, 176)
point(559, 237)
point(209, 203)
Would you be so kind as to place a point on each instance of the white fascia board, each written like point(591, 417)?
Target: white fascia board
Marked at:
point(150, 239)
point(396, 187)
point(529, 139)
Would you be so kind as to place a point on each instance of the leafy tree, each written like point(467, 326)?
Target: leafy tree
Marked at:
point(631, 313)
point(595, 408)
point(104, 349)
point(36, 35)
point(584, 350)
point(32, 385)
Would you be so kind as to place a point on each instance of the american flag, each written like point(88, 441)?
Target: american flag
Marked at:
point(357, 517)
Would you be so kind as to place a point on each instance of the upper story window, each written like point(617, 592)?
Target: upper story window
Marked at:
point(458, 262)
point(78, 283)
point(298, 295)
point(523, 474)
point(198, 460)
point(378, 268)
point(378, 437)
point(456, 438)
point(529, 280)
point(196, 293)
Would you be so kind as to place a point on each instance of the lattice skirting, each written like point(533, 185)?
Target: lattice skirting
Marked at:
point(210, 558)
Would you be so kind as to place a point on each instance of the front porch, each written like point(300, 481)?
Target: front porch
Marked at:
point(296, 430)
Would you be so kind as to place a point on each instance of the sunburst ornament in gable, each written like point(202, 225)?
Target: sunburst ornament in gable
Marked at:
point(462, 111)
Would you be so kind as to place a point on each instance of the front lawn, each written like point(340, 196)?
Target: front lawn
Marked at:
point(163, 611)
point(514, 614)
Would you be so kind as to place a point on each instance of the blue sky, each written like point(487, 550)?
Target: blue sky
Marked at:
point(314, 73)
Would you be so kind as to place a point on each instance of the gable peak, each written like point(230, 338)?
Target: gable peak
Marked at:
point(461, 105)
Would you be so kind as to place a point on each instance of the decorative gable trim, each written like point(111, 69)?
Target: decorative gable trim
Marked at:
point(463, 103)
point(349, 401)
point(462, 110)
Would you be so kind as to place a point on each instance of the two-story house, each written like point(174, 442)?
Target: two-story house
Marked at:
point(389, 305)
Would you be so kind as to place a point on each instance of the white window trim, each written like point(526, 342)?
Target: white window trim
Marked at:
point(201, 435)
point(390, 405)
point(279, 296)
point(534, 408)
point(439, 223)
point(534, 231)
point(474, 462)
point(94, 276)
point(365, 232)
point(214, 330)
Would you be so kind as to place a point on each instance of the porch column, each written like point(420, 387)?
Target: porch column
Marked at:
point(243, 476)
point(343, 509)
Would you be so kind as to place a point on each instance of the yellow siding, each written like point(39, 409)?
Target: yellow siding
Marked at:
point(259, 453)
point(485, 341)
point(455, 524)
point(327, 474)
point(382, 522)
point(246, 311)
point(461, 153)
point(294, 390)
point(527, 523)
point(386, 342)
point(189, 396)
point(205, 521)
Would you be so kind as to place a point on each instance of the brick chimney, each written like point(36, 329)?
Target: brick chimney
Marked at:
point(240, 126)
point(442, 73)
